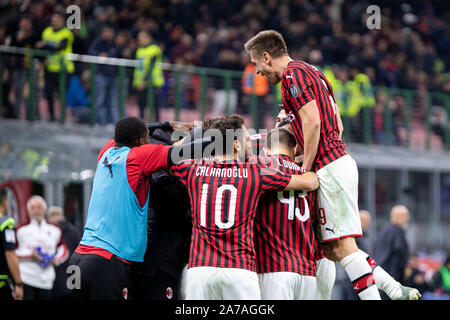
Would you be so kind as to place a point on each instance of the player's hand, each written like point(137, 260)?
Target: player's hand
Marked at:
point(314, 180)
point(185, 126)
point(35, 256)
point(18, 293)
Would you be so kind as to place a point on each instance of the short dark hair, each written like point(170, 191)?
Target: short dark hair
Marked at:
point(233, 122)
point(285, 138)
point(129, 130)
point(269, 41)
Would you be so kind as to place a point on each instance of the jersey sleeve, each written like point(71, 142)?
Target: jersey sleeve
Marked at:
point(273, 179)
point(297, 87)
point(151, 157)
point(109, 144)
point(181, 170)
point(8, 239)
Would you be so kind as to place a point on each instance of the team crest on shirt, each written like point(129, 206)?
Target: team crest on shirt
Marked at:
point(125, 293)
point(295, 91)
point(169, 293)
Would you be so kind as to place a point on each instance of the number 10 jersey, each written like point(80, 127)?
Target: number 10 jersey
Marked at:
point(224, 197)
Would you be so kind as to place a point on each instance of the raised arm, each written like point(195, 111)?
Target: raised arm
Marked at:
point(309, 113)
point(306, 182)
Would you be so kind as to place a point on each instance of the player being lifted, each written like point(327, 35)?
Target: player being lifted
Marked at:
point(309, 101)
point(224, 195)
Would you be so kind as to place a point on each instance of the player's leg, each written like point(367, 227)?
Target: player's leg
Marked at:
point(340, 223)
point(388, 284)
point(277, 285)
point(239, 284)
point(326, 276)
point(202, 283)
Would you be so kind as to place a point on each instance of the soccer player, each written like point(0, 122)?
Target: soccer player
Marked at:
point(308, 99)
point(224, 194)
point(116, 227)
point(284, 231)
point(326, 269)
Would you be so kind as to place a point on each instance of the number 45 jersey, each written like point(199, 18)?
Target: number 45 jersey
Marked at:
point(285, 238)
point(224, 197)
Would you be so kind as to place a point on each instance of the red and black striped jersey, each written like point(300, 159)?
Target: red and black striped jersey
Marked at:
point(285, 238)
point(300, 84)
point(224, 196)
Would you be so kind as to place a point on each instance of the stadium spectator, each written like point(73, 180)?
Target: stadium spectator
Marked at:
point(25, 37)
point(105, 85)
point(414, 277)
point(441, 282)
point(58, 40)
point(149, 56)
point(71, 238)
point(40, 248)
point(77, 96)
point(11, 286)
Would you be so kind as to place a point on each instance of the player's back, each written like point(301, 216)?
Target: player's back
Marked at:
point(285, 240)
point(224, 197)
point(302, 83)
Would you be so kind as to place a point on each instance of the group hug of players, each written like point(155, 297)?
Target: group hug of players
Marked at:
point(262, 224)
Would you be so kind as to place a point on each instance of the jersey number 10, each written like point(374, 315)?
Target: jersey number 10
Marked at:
point(218, 205)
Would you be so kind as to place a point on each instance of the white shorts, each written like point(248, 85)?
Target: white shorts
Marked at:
point(183, 279)
point(287, 286)
point(337, 198)
point(213, 283)
point(326, 276)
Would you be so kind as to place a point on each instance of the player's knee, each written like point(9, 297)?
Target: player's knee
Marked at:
point(337, 250)
point(330, 252)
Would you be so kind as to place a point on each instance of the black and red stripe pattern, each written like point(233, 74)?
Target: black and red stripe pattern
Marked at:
point(300, 84)
point(362, 283)
point(371, 263)
point(285, 241)
point(224, 197)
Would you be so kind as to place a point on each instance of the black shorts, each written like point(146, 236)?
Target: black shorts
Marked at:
point(101, 279)
point(162, 286)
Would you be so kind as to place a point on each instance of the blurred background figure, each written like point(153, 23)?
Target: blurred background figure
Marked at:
point(40, 248)
point(149, 56)
point(71, 238)
point(440, 282)
point(391, 248)
point(11, 286)
point(58, 40)
point(104, 79)
point(415, 277)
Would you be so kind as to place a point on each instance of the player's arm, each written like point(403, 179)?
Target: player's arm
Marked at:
point(274, 179)
point(309, 113)
point(306, 182)
point(339, 121)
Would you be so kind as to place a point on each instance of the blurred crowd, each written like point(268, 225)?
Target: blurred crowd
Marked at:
point(411, 50)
